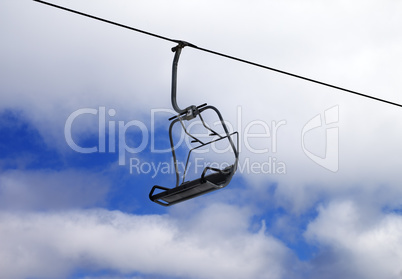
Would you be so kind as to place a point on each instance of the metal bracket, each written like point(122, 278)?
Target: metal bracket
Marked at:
point(189, 111)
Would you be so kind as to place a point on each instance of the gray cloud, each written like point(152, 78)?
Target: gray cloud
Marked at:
point(356, 242)
point(54, 63)
point(51, 190)
point(220, 246)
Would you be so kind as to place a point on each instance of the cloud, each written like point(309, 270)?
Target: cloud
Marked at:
point(356, 242)
point(114, 277)
point(54, 63)
point(87, 64)
point(51, 190)
point(49, 245)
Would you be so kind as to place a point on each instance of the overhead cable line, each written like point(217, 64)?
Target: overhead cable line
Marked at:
point(221, 54)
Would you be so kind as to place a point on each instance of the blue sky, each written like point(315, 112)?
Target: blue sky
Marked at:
point(317, 192)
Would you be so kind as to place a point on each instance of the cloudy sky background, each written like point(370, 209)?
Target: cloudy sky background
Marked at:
point(69, 215)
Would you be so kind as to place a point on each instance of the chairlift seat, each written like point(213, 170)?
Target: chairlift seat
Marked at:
point(192, 189)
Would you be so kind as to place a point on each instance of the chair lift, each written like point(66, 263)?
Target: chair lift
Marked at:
point(211, 178)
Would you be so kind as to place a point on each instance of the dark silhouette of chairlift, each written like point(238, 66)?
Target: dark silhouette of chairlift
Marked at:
point(211, 178)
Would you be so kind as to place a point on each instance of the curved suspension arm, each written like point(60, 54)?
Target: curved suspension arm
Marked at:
point(177, 49)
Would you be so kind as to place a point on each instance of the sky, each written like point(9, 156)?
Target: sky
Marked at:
point(84, 110)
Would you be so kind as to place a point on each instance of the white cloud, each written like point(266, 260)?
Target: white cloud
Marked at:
point(85, 63)
point(54, 62)
point(51, 190)
point(356, 242)
point(216, 244)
